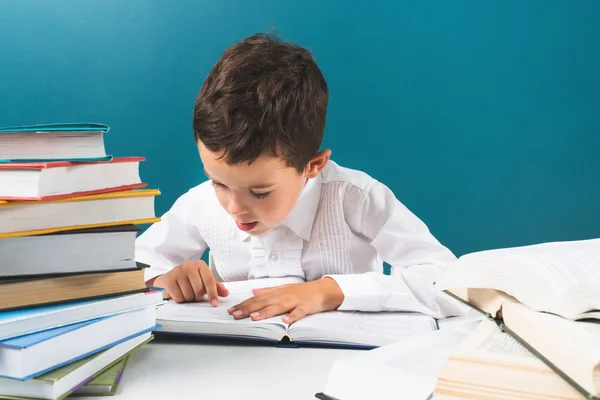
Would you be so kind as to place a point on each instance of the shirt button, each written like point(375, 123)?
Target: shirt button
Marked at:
point(273, 256)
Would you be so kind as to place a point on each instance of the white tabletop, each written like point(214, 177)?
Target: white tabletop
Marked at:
point(192, 368)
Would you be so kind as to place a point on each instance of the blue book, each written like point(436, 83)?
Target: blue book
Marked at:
point(51, 142)
point(22, 322)
point(28, 356)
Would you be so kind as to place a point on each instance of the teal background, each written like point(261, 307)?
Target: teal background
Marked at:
point(482, 116)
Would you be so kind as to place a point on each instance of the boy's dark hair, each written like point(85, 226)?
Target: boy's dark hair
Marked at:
point(263, 96)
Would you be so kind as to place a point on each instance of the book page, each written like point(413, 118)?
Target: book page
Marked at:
point(361, 327)
point(465, 323)
point(204, 312)
point(407, 368)
point(488, 338)
point(502, 343)
point(428, 357)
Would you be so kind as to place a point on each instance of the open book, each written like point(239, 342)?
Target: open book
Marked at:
point(335, 328)
point(546, 296)
point(562, 278)
point(491, 364)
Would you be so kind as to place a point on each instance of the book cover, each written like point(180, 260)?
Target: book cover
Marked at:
point(62, 127)
point(58, 127)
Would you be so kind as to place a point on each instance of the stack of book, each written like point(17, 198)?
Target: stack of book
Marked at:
point(73, 301)
point(541, 337)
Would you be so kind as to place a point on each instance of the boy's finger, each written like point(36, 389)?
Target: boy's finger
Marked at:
point(249, 306)
point(197, 286)
point(222, 290)
point(268, 312)
point(174, 292)
point(210, 285)
point(295, 315)
point(186, 288)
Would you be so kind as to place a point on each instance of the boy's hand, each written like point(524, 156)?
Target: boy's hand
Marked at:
point(191, 281)
point(299, 299)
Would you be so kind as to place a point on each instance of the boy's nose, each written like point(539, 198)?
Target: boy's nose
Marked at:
point(235, 207)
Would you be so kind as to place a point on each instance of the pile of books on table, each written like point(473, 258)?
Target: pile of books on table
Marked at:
point(73, 301)
point(538, 336)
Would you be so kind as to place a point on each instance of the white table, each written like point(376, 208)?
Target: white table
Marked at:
point(190, 368)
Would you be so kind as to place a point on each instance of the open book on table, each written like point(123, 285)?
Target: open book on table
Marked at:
point(547, 296)
point(335, 328)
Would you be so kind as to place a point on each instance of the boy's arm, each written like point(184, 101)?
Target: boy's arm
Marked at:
point(174, 240)
point(402, 240)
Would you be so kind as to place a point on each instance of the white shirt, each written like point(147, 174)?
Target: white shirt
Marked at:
point(343, 225)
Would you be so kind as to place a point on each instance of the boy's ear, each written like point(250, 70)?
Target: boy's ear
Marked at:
point(317, 163)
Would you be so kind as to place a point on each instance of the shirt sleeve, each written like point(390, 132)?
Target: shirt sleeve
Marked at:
point(172, 241)
point(402, 240)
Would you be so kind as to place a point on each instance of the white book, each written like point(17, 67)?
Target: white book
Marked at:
point(29, 356)
point(333, 328)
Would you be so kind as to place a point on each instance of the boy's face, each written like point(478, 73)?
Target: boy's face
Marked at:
point(258, 196)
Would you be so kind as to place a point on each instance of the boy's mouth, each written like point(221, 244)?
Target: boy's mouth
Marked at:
point(246, 227)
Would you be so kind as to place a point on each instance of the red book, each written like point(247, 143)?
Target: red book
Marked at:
point(61, 179)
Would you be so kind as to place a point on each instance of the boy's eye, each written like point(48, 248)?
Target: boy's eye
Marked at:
point(260, 195)
point(217, 184)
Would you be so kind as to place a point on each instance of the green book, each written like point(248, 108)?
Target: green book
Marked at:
point(64, 381)
point(106, 383)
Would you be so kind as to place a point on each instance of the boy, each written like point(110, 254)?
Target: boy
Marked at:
point(275, 205)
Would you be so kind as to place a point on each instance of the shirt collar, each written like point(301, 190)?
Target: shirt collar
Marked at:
point(300, 219)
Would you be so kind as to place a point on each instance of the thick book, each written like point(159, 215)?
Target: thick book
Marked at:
point(61, 179)
point(329, 329)
point(30, 320)
point(29, 356)
point(406, 369)
point(95, 374)
point(108, 209)
point(28, 292)
point(72, 252)
point(562, 278)
point(492, 364)
point(69, 141)
point(546, 296)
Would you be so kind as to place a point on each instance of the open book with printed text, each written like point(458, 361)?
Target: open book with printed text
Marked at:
point(335, 328)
